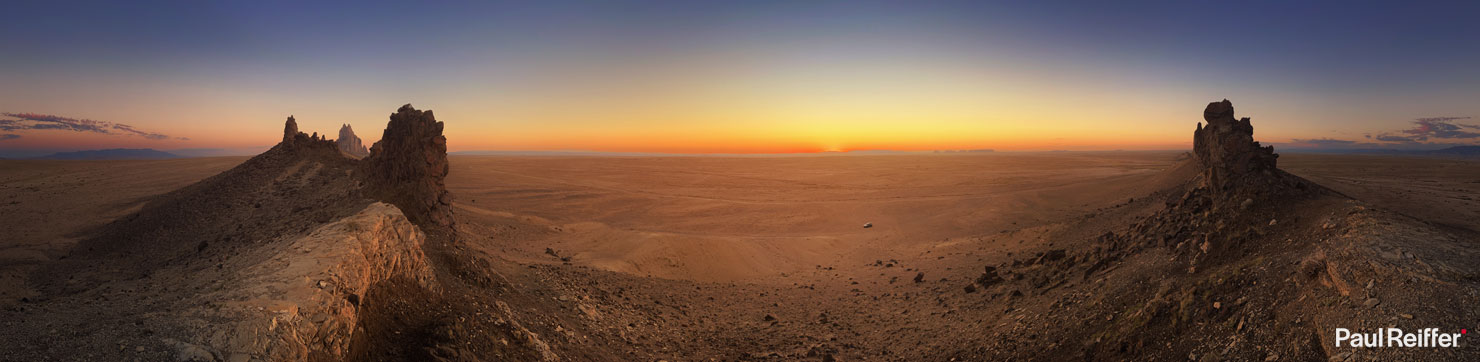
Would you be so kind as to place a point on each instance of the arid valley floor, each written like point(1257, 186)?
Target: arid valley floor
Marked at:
point(1008, 256)
point(753, 237)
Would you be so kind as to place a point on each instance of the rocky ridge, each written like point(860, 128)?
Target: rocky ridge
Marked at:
point(1234, 262)
point(408, 167)
point(276, 259)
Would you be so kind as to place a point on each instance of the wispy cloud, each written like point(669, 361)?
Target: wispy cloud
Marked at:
point(1428, 128)
point(9, 136)
point(1395, 138)
point(34, 121)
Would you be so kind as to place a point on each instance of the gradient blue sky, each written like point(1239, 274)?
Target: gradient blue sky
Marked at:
point(751, 76)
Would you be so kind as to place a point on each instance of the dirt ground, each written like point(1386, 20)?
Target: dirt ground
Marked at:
point(1441, 191)
point(748, 219)
point(46, 207)
point(703, 258)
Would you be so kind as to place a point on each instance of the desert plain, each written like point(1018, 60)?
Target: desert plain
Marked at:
point(767, 257)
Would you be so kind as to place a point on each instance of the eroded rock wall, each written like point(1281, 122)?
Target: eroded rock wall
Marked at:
point(408, 167)
point(1226, 148)
point(303, 302)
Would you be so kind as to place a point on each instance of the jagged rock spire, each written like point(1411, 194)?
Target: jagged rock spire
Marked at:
point(408, 166)
point(1226, 148)
point(290, 131)
point(350, 143)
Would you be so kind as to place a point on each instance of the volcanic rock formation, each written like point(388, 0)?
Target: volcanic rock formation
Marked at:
point(1226, 147)
point(290, 131)
point(298, 142)
point(408, 166)
point(1245, 261)
point(275, 259)
point(350, 144)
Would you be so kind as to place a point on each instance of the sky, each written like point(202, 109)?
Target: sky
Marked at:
point(739, 77)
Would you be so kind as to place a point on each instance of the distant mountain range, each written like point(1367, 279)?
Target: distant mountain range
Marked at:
point(1458, 151)
point(112, 154)
point(1452, 151)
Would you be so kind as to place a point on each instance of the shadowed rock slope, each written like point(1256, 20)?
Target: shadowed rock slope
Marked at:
point(1240, 261)
point(289, 256)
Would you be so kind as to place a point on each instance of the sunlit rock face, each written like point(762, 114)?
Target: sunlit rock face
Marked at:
point(349, 143)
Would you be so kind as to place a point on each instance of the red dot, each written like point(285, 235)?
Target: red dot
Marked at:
point(1463, 331)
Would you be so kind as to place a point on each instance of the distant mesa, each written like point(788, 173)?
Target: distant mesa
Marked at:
point(350, 144)
point(112, 154)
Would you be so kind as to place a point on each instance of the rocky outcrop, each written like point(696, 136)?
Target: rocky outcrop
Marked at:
point(303, 302)
point(349, 143)
point(283, 257)
point(297, 142)
point(1226, 148)
point(408, 166)
point(290, 131)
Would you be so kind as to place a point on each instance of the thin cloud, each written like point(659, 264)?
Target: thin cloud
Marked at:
point(130, 130)
point(35, 121)
point(9, 136)
point(1432, 129)
point(1323, 142)
point(1396, 138)
point(1441, 127)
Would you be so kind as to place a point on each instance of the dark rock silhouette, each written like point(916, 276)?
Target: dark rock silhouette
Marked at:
point(290, 131)
point(299, 142)
point(407, 167)
point(349, 143)
point(1226, 148)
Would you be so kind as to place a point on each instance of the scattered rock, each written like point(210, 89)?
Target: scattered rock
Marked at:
point(989, 277)
point(1341, 356)
point(919, 277)
point(188, 352)
point(1055, 255)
